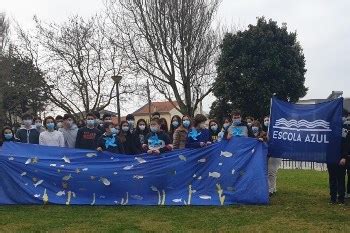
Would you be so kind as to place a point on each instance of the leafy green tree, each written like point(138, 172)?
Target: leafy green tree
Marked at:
point(257, 63)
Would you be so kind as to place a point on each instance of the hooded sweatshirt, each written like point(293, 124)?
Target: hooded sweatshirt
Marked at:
point(70, 136)
point(25, 135)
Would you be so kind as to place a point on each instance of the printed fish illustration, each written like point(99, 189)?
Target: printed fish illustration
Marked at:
point(202, 160)
point(37, 195)
point(253, 150)
point(199, 178)
point(11, 158)
point(136, 197)
point(138, 177)
point(61, 193)
point(85, 169)
point(233, 171)
point(214, 174)
point(66, 159)
point(90, 155)
point(177, 200)
point(67, 177)
point(77, 170)
point(140, 160)
point(53, 165)
point(205, 197)
point(226, 154)
point(154, 188)
point(182, 157)
point(115, 173)
point(220, 164)
point(38, 183)
point(28, 161)
point(128, 167)
point(105, 181)
point(194, 176)
point(23, 173)
point(62, 165)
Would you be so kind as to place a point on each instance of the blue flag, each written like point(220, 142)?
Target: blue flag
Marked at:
point(226, 173)
point(310, 132)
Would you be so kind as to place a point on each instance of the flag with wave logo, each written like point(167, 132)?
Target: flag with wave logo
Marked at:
point(225, 173)
point(306, 132)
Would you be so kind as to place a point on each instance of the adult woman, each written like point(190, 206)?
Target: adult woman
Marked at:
point(180, 134)
point(175, 123)
point(141, 130)
point(214, 130)
point(198, 135)
point(51, 137)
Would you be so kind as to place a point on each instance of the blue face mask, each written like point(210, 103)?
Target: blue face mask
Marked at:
point(50, 126)
point(8, 136)
point(90, 122)
point(114, 131)
point(175, 123)
point(154, 129)
point(236, 122)
point(186, 123)
point(214, 127)
point(255, 129)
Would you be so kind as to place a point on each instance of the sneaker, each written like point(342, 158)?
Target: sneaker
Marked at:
point(341, 202)
point(332, 202)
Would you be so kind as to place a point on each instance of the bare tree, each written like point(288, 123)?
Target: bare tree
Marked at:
point(78, 58)
point(172, 42)
point(4, 32)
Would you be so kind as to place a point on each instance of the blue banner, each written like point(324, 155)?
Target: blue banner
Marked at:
point(310, 132)
point(226, 173)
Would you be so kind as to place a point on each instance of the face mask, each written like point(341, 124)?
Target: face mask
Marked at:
point(344, 133)
point(226, 125)
point(38, 125)
point(108, 121)
point(249, 124)
point(27, 122)
point(154, 129)
point(114, 131)
point(90, 123)
point(214, 127)
point(59, 125)
point(266, 123)
point(186, 123)
point(255, 129)
point(142, 127)
point(175, 123)
point(8, 136)
point(125, 128)
point(50, 126)
point(131, 123)
point(202, 126)
point(236, 121)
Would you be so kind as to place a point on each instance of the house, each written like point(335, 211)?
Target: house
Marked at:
point(166, 109)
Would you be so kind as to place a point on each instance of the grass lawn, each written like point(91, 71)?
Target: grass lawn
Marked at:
point(301, 204)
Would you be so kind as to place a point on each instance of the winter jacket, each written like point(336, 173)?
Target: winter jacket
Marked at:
point(25, 135)
point(131, 143)
point(180, 138)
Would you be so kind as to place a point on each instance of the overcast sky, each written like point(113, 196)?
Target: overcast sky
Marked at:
point(322, 27)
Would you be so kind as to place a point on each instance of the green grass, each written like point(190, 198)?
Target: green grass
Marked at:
point(301, 204)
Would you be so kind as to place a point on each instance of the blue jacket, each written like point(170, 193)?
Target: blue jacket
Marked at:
point(195, 137)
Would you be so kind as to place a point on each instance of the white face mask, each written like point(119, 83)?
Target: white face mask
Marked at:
point(344, 133)
point(38, 124)
point(59, 125)
point(142, 127)
point(27, 122)
point(267, 123)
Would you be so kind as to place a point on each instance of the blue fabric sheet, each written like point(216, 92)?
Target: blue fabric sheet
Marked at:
point(225, 173)
point(306, 132)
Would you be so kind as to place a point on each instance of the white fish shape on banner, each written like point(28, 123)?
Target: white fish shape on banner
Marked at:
point(37, 195)
point(177, 200)
point(253, 150)
point(214, 174)
point(129, 167)
point(23, 173)
point(105, 181)
point(53, 165)
point(138, 177)
point(38, 183)
point(115, 173)
point(233, 171)
point(205, 197)
point(182, 157)
point(199, 178)
point(61, 193)
point(220, 164)
point(90, 155)
point(226, 154)
point(202, 160)
point(66, 159)
point(28, 161)
point(140, 160)
point(11, 158)
point(85, 169)
point(67, 177)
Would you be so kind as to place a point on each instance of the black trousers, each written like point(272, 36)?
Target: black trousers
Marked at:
point(348, 183)
point(336, 181)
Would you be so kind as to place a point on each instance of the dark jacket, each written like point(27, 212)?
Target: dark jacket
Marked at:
point(131, 143)
point(87, 138)
point(110, 143)
point(159, 141)
point(195, 137)
point(345, 149)
point(28, 135)
point(214, 135)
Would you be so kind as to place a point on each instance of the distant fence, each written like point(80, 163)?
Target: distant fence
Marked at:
point(291, 164)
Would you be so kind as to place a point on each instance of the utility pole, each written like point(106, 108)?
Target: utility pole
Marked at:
point(149, 100)
point(117, 80)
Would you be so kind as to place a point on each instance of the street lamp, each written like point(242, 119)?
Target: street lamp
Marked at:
point(117, 80)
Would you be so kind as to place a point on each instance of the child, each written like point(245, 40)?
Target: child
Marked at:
point(180, 134)
point(109, 141)
point(141, 130)
point(214, 130)
point(175, 123)
point(130, 141)
point(28, 132)
point(51, 137)
point(198, 136)
point(157, 140)
point(69, 130)
point(7, 135)
point(238, 128)
point(87, 136)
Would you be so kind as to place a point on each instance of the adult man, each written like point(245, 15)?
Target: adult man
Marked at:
point(28, 132)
